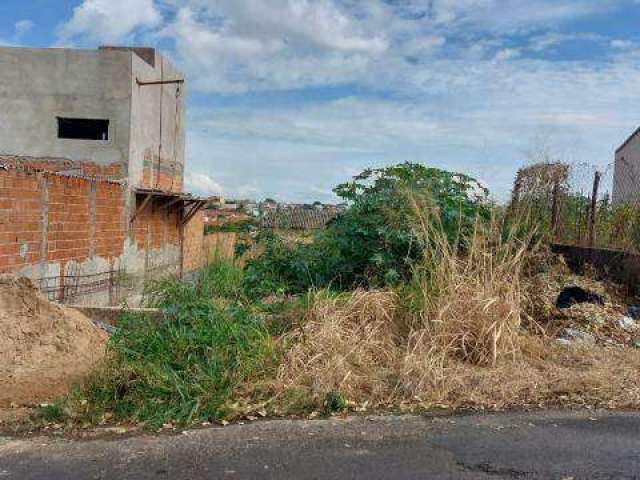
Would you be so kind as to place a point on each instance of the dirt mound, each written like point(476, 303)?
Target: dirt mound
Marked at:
point(44, 347)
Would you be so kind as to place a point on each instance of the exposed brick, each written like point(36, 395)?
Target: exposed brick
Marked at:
point(9, 249)
point(70, 212)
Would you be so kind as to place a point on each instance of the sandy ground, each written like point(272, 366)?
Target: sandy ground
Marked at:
point(44, 347)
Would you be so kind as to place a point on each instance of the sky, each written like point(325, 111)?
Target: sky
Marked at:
point(288, 98)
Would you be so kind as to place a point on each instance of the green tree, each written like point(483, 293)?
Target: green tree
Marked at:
point(373, 243)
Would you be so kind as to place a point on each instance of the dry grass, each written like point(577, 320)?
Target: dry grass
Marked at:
point(476, 312)
point(472, 341)
point(368, 347)
point(471, 294)
point(549, 375)
point(347, 344)
point(351, 345)
point(354, 344)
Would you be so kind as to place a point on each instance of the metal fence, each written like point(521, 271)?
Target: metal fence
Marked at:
point(74, 287)
point(581, 204)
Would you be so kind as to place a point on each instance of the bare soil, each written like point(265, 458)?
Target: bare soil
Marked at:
point(44, 347)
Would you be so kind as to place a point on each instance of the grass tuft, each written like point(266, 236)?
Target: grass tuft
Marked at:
point(184, 368)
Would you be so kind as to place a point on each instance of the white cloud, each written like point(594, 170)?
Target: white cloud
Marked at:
point(233, 46)
point(109, 21)
point(506, 54)
point(202, 184)
point(240, 45)
point(622, 44)
point(305, 23)
point(23, 27)
point(422, 46)
point(511, 15)
point(20, 29)
point(479, 119)
point(549, 40)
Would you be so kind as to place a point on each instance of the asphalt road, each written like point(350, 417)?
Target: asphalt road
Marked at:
point(542, 445)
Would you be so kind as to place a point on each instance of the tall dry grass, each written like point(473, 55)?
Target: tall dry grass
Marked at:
point(471, 289)
point(370, 347)
point(347, 343)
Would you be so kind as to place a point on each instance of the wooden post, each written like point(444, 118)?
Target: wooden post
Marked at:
point(594, 205)
point(555, 209)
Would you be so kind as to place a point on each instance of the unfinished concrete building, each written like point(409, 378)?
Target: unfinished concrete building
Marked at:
point(92, 148)
point(626, 176)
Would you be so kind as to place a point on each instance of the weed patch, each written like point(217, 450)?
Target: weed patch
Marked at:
point(417, 296)
point(184, 368)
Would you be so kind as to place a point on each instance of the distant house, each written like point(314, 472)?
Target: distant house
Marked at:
point(626, 176)
point(269, 204)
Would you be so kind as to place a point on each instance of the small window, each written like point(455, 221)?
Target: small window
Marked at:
point(83, 128)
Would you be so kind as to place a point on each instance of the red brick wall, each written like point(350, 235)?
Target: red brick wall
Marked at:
point(161, 180)
point(109, 220)
point(68, 219)
point(20, 220)
point(113, 171)
point(164, 175)
point(156, 226)
point(51, 218)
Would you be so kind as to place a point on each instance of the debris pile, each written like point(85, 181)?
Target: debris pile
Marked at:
point(44, 347)
point(574, 294)
point(582, 309)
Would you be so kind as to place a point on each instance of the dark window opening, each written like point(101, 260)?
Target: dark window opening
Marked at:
point(83, 128)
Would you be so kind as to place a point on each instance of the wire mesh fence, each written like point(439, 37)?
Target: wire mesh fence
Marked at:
point(581, 204)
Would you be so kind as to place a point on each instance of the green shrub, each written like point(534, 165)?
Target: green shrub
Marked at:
point(221, 279)
point(373, 243)
point(334, 402)
point(285, 268)
point(184, 368)
point(50, 413)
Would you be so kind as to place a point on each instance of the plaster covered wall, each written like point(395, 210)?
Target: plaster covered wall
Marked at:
point(146, 122)
point(157, 125)
point(61, 222)
point(38, 85)
point(626, 177)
